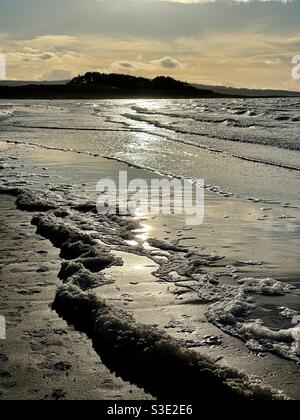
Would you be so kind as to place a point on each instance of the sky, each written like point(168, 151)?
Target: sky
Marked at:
point(241, 43)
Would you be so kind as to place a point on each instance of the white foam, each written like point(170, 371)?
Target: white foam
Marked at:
point(233, 307)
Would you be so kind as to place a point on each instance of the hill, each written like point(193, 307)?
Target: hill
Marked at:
point(224, 90)
point(93, 85)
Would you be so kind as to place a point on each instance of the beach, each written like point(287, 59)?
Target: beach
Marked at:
point(224, 291)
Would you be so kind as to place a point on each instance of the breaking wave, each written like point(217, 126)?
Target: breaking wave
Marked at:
point(211, 132)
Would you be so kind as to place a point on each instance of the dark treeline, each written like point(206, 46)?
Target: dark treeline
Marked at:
point(123, 81)
point(108, 86)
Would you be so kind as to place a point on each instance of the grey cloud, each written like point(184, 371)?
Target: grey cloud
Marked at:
point(45, 56)
point(148, 18)
point(168, 63)
point(126, 65)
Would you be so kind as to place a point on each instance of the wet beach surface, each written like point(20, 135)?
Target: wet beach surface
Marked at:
point(253, 239)
point(43, 358)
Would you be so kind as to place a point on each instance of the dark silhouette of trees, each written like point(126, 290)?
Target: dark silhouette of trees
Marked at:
point(123, 81)
point(108, 86)
point(162, 82)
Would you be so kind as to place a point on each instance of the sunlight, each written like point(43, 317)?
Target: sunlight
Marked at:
point(143, 233)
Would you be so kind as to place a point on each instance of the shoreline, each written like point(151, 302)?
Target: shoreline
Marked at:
point(70, 300)
point(142, 95)
point(274, 380)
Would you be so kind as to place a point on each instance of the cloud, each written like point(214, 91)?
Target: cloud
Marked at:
point(165, 63)
point(126, 65)
point(130, 66)
point(146, 18)
point(208, 42)
point(211, 59)
point(168, 63)
point(46, 56)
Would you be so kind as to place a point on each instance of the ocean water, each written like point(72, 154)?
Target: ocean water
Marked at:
point(248, 147)
point(246, 150)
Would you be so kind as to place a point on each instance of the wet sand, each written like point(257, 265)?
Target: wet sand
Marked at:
point(134, 289)
point(177, 311)
point(43, 358)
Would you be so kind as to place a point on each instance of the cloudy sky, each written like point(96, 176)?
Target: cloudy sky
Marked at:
point(229, 42)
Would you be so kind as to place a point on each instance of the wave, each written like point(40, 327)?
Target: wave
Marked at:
point(241, 122)
point(215, 189)
point(210, 149)
point(204, 119)
point(265, 141)
point(129, 128)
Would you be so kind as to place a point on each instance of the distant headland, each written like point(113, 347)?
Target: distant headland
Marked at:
point(95, 85)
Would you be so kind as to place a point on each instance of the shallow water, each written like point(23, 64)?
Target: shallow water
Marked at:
point(186, 138)
point(118, 129)
point(249, 148)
